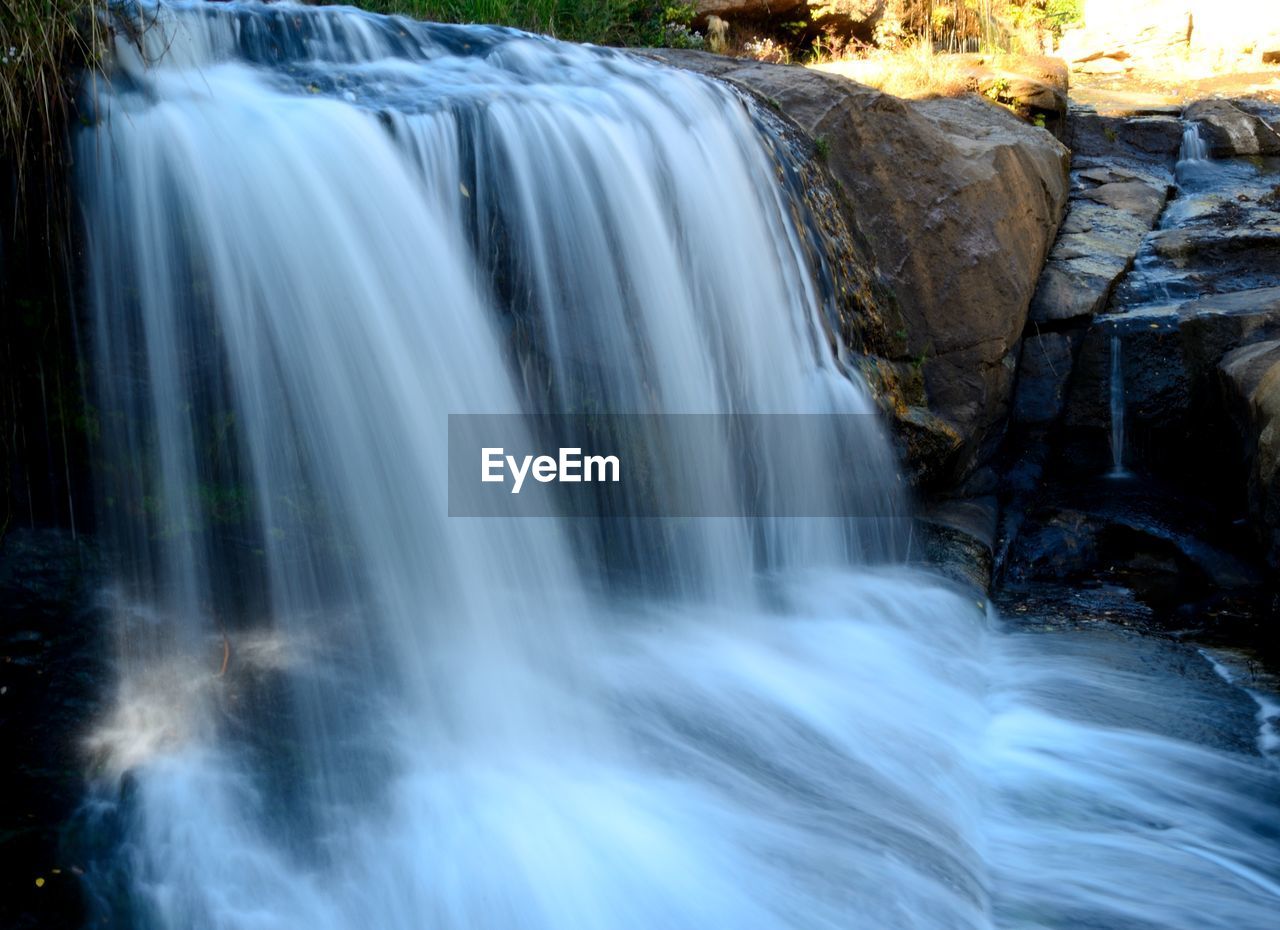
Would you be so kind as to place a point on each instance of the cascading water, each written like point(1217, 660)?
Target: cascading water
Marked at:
point(1193, 147)
point(1117, 408)
point(315, 233)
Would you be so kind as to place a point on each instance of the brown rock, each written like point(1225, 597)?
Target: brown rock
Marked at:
point(959, 201)
point(1251, 379)
point(1229, 131)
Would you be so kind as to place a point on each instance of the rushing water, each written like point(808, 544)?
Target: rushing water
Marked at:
point(1117, 408)
point(312, 235)
point(1194, 148)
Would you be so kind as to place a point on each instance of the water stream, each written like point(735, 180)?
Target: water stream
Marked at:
point(1117, 408)
point(312, 234)
point(1194, 148)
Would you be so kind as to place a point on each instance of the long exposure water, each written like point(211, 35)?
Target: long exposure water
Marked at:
point(312, 235)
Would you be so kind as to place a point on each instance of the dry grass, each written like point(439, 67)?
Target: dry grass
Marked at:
point(914, 71)
point(44, 44)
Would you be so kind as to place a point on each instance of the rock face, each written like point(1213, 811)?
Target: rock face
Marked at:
point(1230, 131)
point(853, 17)
point(744, 9)
point(1251, 378)
point(958, 201)
point(1120, 184)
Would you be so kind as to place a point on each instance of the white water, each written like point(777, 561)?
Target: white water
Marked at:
point(1117, 409)
point(313, 234)
point(1194, 148)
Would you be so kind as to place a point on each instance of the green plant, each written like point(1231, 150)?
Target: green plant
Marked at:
point(44, 44)
point(999, 89)
point(821, 148)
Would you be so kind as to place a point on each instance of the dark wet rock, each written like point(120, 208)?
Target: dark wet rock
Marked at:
point(1147, 143)
point(1221, 234)
point(53, 672)
point(1215, 325)
point(1043, 373)
point(1144, 531)
point(957, 537)
point(1119, 189)
point(929, 445)
point(1251, 379)
point(1230, 131)
point(1156, 391)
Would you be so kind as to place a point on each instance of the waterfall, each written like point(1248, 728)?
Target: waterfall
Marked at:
point(1117, 408)
point(1193, 147)
point(313, 234)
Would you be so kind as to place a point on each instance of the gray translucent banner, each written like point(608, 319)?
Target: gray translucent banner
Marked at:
point(677, 465)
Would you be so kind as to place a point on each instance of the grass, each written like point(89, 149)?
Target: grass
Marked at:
point(43, 46)
point(912, 72)
point(604, 22)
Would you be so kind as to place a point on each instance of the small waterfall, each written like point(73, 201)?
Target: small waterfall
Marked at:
point(312, 235)
point(1194, 148)
point(1117, 408)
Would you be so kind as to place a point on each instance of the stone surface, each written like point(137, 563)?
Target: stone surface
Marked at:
point(851, 17)
point(1043, 373)
point(744, 9)
point(958, 200)
point(1169, 361)
point(957, 538)
point(1214, 326)
point(1251, 379)
point(1118, 192)
point(1230, 131)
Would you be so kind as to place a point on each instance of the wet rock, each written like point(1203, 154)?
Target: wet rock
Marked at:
point(1043, 374)
point(1144, 143)
point(957, 537)
point(1229, 131)
point(1251, 379)
point(929, 444)
point(1204, 258)
point(1145, 533)
point(1119, 187)
point(1096, 247)
point(1155, 384)
point(1214, 326)
point(53, 673)
point(959, 201)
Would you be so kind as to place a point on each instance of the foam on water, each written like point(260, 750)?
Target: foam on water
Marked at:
point(312, 235)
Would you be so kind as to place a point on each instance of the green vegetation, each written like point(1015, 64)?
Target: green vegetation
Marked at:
point(604, 22)
point(44, 44)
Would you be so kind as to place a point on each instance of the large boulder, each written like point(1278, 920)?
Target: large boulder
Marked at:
point(1230, 131)
point(1251, 378)
point(958, 200)
point(754, 10)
